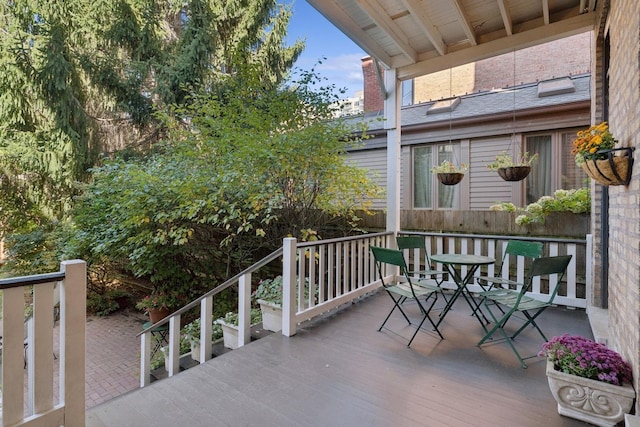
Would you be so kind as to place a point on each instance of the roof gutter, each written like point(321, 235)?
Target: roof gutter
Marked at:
point(507, 115)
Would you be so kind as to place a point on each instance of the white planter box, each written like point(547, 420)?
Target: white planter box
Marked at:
point(229, 335)
point(595, 402)
point(271, 316)
point(195, 350)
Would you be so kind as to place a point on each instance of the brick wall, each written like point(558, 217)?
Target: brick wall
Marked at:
point(624, 201)
point(444, 84)
point(543, 62)
point(556, 59)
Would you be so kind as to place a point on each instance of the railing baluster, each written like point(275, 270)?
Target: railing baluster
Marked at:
point(322, 267)
point(40, 371)
point(206, 314)
point(12, 356)
point(572, 272)
point(145, 359)
point(311, 299)
point(174, 345)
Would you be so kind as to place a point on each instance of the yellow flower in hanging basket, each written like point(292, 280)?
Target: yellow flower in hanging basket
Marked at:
point(590, 142)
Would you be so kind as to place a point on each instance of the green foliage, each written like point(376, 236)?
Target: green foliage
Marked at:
point(270, 290)
point(191, 331)
point(35, 251)
point(82, 77)
point(106, 303)
point(251, 165)
point(577, 201)
point(231, 318)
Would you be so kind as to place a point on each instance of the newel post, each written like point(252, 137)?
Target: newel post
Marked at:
point(73, 297)
point(289, 250)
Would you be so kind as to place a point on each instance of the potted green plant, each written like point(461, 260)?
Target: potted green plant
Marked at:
point(511, 169)
point(229, 324)
point(191, 332)
point(269, 296)
point(157, 305)
point(448, 173)
point(589, 381)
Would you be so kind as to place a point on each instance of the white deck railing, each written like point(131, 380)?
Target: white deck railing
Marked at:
point(33, 402)
point(320, 276)
point(342, 270)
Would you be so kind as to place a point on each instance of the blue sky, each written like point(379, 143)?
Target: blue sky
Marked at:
point(342, 66)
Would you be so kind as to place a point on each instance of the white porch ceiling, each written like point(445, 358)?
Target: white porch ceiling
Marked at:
point(418, 37)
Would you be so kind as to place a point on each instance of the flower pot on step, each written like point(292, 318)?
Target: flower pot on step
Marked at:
point(271, 315)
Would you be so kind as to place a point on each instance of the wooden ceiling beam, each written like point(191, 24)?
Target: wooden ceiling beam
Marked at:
point(377, 14)
point(429, 62)
point(343, 21)
point(545, 11)
point(506, 16)
point(420, 16)
point(464, 22)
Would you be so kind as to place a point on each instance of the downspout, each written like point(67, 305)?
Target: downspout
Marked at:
point(383, 89)
point(604, 249)
point(604, 204)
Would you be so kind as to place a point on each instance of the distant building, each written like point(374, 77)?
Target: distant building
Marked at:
point(350, 106)
point(534, 100)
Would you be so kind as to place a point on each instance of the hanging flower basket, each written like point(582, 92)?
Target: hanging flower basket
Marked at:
point(611, 170)
point(510, 169)
point(450, 178)
point(514, 173)
point(448, 173)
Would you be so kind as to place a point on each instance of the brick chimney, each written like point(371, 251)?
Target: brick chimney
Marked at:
point(372, 94)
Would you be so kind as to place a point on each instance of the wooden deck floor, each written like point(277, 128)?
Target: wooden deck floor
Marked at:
point(339, 371)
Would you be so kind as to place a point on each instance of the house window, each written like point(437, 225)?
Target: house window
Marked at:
point(555, 168)
point(428, 192)
point(422, 177)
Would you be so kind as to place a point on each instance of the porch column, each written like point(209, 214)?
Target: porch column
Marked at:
point(392, 126)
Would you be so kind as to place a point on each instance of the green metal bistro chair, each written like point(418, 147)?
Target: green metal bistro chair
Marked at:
point(514, 248)
point(417, 242)
point(517, 301)
point(400, 290)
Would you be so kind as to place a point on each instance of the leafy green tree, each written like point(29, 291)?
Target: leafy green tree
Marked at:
point(82, 77)
point(242, 168)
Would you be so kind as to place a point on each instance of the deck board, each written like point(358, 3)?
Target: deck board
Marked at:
point(339, 371)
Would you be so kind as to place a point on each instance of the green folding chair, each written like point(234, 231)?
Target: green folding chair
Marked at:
point(514, 301)
point(400, 290)
point(514, 248)
point(406, 243)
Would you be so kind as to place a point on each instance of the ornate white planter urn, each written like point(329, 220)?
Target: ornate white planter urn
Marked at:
point(584, 399)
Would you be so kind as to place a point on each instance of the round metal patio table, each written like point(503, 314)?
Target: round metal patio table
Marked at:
point(472, 262)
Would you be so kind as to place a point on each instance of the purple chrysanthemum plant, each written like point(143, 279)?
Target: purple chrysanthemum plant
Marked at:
point(586, 358)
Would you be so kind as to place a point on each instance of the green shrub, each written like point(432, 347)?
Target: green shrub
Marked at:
point(576, 201)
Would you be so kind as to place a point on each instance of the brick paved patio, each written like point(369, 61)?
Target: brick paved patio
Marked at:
point(113, 356)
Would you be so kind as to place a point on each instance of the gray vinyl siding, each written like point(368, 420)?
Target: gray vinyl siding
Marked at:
point(375, 161)
point(486, 187)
